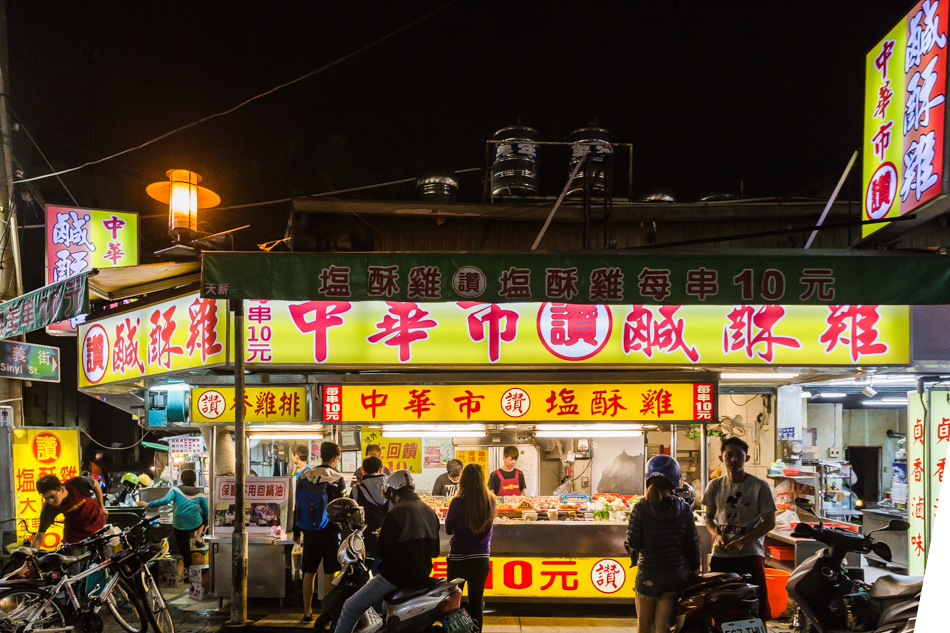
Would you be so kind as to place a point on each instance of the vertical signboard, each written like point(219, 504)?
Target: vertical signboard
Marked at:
point(78, 240)
point(917, 503)
point(939, 438)
point(906, 86)
point(36, 453)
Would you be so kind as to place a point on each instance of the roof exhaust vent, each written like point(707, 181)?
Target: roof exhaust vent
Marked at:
point(437, 185)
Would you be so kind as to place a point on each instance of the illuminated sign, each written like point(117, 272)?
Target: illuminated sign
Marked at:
point(184, 333)
point(917, 539)
point(605, 279)
point(904, 115)
point(474, 456)
point(674, 402)
point(398, 453)
point(78, 240)
point(36, 453)
point(39, 308)
point(273, 403)
point(554, 577)
point(344, 334)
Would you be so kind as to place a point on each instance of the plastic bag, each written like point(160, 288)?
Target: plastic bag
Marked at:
point(561, 490)
point(784, 520)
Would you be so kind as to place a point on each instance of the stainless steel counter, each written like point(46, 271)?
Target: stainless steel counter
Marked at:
point(268, 567)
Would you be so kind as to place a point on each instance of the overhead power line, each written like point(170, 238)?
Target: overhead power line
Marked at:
point(246, 102)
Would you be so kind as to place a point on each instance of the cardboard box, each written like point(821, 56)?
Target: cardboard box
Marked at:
point(198, 592)
point(199, 575)
point(199, 557)
point(169, 572)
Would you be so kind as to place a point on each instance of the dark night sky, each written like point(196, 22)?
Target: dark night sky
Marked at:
point(711, 93)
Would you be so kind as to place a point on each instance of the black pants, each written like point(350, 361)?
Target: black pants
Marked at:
point(475, 572)
point(755, 567)
point(183, 540)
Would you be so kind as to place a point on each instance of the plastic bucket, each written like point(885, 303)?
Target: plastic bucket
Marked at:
point(775, 580)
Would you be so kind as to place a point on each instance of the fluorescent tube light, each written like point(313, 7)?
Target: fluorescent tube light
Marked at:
point(441, 428)
point(399, 434)
point(806, 394)
point(287, 436)
point(582, 433)
point(757, 376)
point(283, 428)
point(831, 394)
point(884, 403)
point(171, 386)
point(589, 427)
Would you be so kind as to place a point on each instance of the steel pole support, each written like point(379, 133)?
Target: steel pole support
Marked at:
point(239, 536)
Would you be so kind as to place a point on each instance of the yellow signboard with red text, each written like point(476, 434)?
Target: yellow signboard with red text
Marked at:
point(638, 402)
point(184, 333)
point(473, 456)
point(404, 453)
point(273, 403)
point(389, 334)
point(36, 453)
point(553, 577)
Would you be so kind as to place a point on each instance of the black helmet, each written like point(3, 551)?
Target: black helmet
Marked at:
point(345, 513)
point(398, 483)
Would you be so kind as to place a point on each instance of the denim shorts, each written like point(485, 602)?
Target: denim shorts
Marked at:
point(653, 583)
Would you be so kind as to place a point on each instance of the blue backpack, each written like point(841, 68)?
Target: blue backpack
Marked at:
point(311, 504)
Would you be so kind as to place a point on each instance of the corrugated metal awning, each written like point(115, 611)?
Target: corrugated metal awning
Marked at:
point(114, 284)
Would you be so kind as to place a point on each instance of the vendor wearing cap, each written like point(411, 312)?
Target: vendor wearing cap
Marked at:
point(79, 500)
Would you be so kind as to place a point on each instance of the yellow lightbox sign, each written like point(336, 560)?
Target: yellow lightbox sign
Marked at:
point(36, 453)
point(273, 403)
point(555, 578)
point(184, 333)
point(404, 453)
point(644, 402)
point(381, 334)
point(471, 456)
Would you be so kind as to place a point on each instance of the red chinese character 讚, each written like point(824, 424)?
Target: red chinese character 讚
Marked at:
point(403, 325)
point(486, 323)
point(572, 323)
point(95, 357)
point(326, 315)
point(854, 326)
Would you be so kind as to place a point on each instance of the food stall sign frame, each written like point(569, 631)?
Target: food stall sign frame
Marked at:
point(262, 403)
point(751, 277)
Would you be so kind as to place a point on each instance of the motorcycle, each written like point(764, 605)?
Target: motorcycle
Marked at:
point(719, 602)
point(830, 601)
point(437, 602)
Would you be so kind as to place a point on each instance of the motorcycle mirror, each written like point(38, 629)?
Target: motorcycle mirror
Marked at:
point(803, 503)
point(882, 550)
point(897, 525)
point(804, 506)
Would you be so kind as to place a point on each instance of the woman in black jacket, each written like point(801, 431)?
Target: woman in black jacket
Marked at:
point(662, 537)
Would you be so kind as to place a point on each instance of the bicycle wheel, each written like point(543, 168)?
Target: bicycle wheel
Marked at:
point(126, 608)
point(159, 616)
point(24, 605)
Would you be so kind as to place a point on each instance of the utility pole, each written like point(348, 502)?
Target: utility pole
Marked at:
point(11, 278)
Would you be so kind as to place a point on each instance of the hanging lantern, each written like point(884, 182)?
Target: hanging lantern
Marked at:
point(184, 197)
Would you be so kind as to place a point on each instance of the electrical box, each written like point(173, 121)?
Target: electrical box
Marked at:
point(834, 453)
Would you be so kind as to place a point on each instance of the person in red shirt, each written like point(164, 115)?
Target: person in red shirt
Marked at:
point(79, 500)
point(508, 481)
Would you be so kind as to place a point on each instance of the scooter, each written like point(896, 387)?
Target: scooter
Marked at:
point(719, 603)
point(406, 610)
point(826, 595)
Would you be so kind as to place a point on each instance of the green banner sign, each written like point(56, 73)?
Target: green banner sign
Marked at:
point(611, 278)
point(35, 310)
point(25, 361)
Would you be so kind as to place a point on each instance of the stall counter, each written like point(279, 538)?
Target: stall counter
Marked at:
point(576, 561)
point(268, 567)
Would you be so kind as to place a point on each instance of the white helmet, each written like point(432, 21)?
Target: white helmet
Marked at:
point(397, 484)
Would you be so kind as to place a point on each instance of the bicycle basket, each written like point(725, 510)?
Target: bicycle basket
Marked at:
point(127, 562)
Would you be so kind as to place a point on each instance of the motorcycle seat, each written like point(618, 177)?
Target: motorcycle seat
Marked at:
point(896, 586)
point(408, 593)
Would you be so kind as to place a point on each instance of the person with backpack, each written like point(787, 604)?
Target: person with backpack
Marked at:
point(189, 512)
point(316, 487)
point(469, 523)
point(662, 541)
point(369, 495)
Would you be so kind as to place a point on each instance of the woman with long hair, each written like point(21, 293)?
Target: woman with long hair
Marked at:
point(469, 523)
point(662, 538)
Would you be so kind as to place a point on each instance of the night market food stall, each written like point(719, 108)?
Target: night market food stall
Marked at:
point(352, 356)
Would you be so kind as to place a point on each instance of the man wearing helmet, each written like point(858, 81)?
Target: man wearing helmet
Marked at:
point(408, 541)
point(740, 511)
point(128, 496)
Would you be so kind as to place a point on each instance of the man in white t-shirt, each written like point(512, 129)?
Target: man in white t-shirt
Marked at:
point(740, 511)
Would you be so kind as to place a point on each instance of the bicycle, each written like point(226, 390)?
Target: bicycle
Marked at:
point(30, 606)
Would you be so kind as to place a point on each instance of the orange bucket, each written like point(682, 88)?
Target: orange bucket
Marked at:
point(775, 580)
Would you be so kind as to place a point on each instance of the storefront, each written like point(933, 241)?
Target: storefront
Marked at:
point(351, 363)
